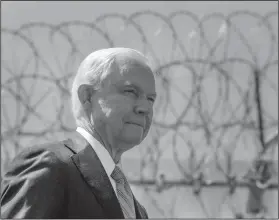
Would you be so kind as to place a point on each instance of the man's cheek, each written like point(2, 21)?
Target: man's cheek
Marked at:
point(116, 116)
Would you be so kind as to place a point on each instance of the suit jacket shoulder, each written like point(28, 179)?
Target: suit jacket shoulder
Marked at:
point(33, 169)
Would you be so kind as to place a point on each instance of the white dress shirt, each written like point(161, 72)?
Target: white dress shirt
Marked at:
point(102, 154)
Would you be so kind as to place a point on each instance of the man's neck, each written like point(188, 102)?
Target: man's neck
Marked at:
point(106, 142)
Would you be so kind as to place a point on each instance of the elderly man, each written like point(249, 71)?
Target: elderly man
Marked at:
point(112, 95)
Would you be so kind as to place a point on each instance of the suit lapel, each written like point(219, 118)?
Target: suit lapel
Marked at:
point(94, 174)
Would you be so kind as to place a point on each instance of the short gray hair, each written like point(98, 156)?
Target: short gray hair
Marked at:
point(94, 69)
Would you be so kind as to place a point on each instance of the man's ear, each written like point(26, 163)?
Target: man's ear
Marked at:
point(85, 93)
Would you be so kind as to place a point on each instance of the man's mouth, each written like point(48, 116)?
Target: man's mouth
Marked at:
point(140, 125)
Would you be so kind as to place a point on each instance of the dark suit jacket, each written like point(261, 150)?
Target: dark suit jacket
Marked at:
point(60, 180)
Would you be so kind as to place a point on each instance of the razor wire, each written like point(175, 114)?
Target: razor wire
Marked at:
point(214, 83)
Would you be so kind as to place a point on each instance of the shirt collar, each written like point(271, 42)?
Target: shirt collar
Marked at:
point(100, 150)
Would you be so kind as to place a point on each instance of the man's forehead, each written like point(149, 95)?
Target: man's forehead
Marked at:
point(127, 66)
point(132, 72)
point(133, 64)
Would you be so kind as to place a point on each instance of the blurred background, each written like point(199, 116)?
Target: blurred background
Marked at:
point(213, 149)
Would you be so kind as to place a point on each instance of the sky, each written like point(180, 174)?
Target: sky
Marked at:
point(14, 14)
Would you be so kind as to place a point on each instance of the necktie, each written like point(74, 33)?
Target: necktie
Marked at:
point(124, 193)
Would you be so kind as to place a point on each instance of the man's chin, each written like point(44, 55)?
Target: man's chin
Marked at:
point(133, 140)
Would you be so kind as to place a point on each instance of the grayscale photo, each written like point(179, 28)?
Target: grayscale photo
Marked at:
point(139, 109)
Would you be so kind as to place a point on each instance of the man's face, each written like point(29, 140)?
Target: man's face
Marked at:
point(123, 108)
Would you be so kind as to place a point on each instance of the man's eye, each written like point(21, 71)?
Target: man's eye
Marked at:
point(130, 91)
point(151, 99)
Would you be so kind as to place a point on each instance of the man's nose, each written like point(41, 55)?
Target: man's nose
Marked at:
point(142, 107)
